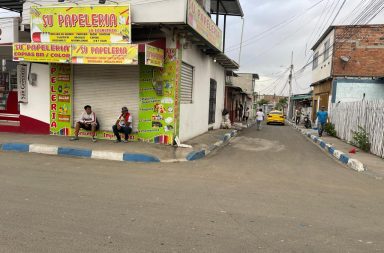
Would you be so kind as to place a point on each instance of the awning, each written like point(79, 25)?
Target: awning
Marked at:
point(12, 5)
point(226, 62)
point(227, 7)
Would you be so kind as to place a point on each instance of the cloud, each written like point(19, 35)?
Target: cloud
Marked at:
point(268, 53)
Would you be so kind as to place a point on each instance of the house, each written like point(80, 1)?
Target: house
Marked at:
point(239, 90)
point(348, 65)
point(164, 60)
point(302, 102)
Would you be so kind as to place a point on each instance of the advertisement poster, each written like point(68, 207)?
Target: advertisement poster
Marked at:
point(60, 99)
point(154, 56)
point(105, 54)
point(81, 24)
point(157, 109)
point(41, 52)
point(199, 20)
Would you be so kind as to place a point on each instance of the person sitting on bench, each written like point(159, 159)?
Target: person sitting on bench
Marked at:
point(87, 121)
point(123, 125)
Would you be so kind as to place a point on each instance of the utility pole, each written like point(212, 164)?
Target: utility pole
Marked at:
point(290, 89)
point(241, 40)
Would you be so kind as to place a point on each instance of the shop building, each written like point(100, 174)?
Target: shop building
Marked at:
point(165, 63)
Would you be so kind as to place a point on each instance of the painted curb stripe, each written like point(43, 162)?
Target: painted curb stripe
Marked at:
point(331, 150)
point(196, 155)
point(74, 152)
point(43, 149)
point(18, 147)
point(107, 155)
point(344, 158)
point(140, 158)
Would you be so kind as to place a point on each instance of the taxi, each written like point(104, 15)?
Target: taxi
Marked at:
point(275, 117)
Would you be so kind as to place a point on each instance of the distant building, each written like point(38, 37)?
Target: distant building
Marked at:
point(348, 65)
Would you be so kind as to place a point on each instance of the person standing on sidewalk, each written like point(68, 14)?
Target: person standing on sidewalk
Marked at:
point(298, 116)
point(246, 115)
point(123, 125)
point(259, 119)
point(87, 121)
point(322, 118)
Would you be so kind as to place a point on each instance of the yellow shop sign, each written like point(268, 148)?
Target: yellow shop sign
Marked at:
point(81, 24)
point(105, 54)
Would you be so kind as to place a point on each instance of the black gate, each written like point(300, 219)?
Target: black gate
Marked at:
point(212, 102)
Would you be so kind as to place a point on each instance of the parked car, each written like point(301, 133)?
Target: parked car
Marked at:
point(276, 117)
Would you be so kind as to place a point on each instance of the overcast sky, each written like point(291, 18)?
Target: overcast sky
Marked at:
point(297, 28)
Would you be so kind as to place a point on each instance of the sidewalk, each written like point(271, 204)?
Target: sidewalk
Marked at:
point(372, 164)
point(108, 150)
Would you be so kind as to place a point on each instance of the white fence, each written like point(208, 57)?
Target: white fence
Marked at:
point(367, 114)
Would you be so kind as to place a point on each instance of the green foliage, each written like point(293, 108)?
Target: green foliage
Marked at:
point(330, 129)
point(281, 104)
point(361, 139)
point(263, 102)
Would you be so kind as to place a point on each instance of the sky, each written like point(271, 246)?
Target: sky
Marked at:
point(273, 29)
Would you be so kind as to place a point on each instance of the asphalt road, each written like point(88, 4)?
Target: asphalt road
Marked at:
point(267, 191)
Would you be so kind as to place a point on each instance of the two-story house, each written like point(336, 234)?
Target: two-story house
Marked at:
point(348, 65)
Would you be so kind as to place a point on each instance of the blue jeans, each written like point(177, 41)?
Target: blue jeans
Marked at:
point(125, 130)
point(320, 128)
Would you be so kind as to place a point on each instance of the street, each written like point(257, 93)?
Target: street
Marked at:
point(267, 191)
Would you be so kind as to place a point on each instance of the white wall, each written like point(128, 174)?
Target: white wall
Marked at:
point(38, 95)
point(194, 117)
point(142, 11)
point(324, 67)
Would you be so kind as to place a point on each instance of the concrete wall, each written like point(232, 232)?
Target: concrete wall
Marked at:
point(38, 95)
point(324, 67)
point(364, 46)
point(352, 90)
point(194, 117)
point(244, 81)
point(165, 11)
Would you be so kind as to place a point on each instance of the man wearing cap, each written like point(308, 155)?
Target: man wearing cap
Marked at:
point(123, 125)
point(322, 118)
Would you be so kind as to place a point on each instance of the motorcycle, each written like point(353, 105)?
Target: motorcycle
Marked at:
point(307, 122)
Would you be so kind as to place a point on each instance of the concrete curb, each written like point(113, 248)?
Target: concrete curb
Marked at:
point(341, 156)
point(78, 152)
point(199, 154)
point(110, 155)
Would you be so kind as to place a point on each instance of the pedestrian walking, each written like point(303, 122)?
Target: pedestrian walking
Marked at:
point(298, 116)
point(246, 115)
point(322, 118)
point(259, 119)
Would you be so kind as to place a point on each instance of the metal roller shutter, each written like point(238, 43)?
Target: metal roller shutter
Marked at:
point(106, 88)
point(186, 90)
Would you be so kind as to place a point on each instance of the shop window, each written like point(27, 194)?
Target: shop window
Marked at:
point(186, 91)
point(315, 60)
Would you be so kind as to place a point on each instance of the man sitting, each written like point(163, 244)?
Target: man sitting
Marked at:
point(88, 122)
point(123, 125)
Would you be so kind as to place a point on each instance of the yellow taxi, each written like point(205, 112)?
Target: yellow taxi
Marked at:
point(275, 117)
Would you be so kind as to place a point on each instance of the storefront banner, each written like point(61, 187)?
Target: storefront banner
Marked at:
point(41, 52)
point(81, 24)
point(199, 20)
point(22, 86)
point(105, 54)
point(60, 99)
point(157, 123)
point(154, 56)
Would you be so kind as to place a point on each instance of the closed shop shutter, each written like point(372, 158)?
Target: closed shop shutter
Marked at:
point(106, 88)
point(186, 84)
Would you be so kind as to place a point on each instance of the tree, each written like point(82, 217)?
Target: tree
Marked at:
point(282, 104)
point(262, 102)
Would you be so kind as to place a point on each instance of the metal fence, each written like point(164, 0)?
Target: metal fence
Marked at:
point(367, 114)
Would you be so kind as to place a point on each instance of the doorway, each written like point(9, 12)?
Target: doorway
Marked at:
point(212, 102)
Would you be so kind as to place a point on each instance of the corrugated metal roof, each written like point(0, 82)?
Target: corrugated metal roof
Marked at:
point(227, 7)
point(12, 5)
